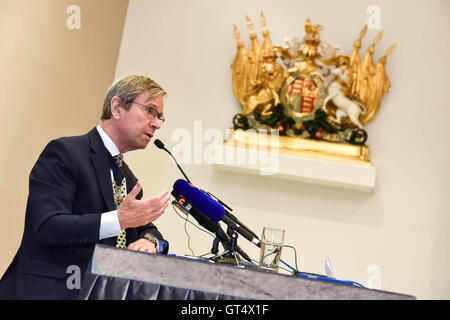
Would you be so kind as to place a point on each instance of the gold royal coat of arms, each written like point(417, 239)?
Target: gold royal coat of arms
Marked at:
point(317, 100)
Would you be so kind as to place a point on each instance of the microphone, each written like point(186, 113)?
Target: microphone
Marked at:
point(211, 208)
point(187, 209)
point(229, 214)
point(203, 203)
point(206, 223)
point(159, 144)
point(215, 212)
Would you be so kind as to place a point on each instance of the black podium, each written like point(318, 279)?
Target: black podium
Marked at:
point(120, 274)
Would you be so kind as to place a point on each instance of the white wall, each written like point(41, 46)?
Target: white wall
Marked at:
point(402, 227)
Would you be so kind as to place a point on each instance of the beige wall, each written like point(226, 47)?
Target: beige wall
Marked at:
point(53, 81)
point(402, 227)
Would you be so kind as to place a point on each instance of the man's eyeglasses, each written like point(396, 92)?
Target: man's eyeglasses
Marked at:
point(152, 113)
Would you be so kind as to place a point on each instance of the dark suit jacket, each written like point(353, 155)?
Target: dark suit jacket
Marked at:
point(69, 188)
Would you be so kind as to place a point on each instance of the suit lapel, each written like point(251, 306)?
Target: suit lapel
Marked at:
point(100, 160)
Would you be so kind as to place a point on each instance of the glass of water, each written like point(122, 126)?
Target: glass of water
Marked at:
point(271, 244)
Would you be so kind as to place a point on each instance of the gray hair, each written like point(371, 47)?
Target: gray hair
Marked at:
point(127, 89)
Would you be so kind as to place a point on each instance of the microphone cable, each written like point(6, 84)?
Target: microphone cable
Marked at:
point(186, 219)
point(320, 277)
point(187, 215)
point(295, 255)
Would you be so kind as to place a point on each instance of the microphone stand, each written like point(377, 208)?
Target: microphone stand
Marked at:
point(233, 254)
point(221, 237)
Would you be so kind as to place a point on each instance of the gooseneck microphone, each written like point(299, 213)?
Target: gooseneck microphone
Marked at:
point(207, 211)
point(206, 223)
point(158, 143)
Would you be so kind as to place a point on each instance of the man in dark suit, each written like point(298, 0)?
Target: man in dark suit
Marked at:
point(75, 200)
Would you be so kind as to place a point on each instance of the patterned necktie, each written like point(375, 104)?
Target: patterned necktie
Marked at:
point(120, 192)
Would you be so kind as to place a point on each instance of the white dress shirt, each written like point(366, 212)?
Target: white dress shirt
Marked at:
point(109, 222)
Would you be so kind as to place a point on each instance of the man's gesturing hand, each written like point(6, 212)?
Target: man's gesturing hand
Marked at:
point(134, 213)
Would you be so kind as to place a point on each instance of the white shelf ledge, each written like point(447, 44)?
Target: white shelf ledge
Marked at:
point(346, 175)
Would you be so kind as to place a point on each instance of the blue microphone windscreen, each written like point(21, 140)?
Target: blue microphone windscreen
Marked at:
point(199, 200)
